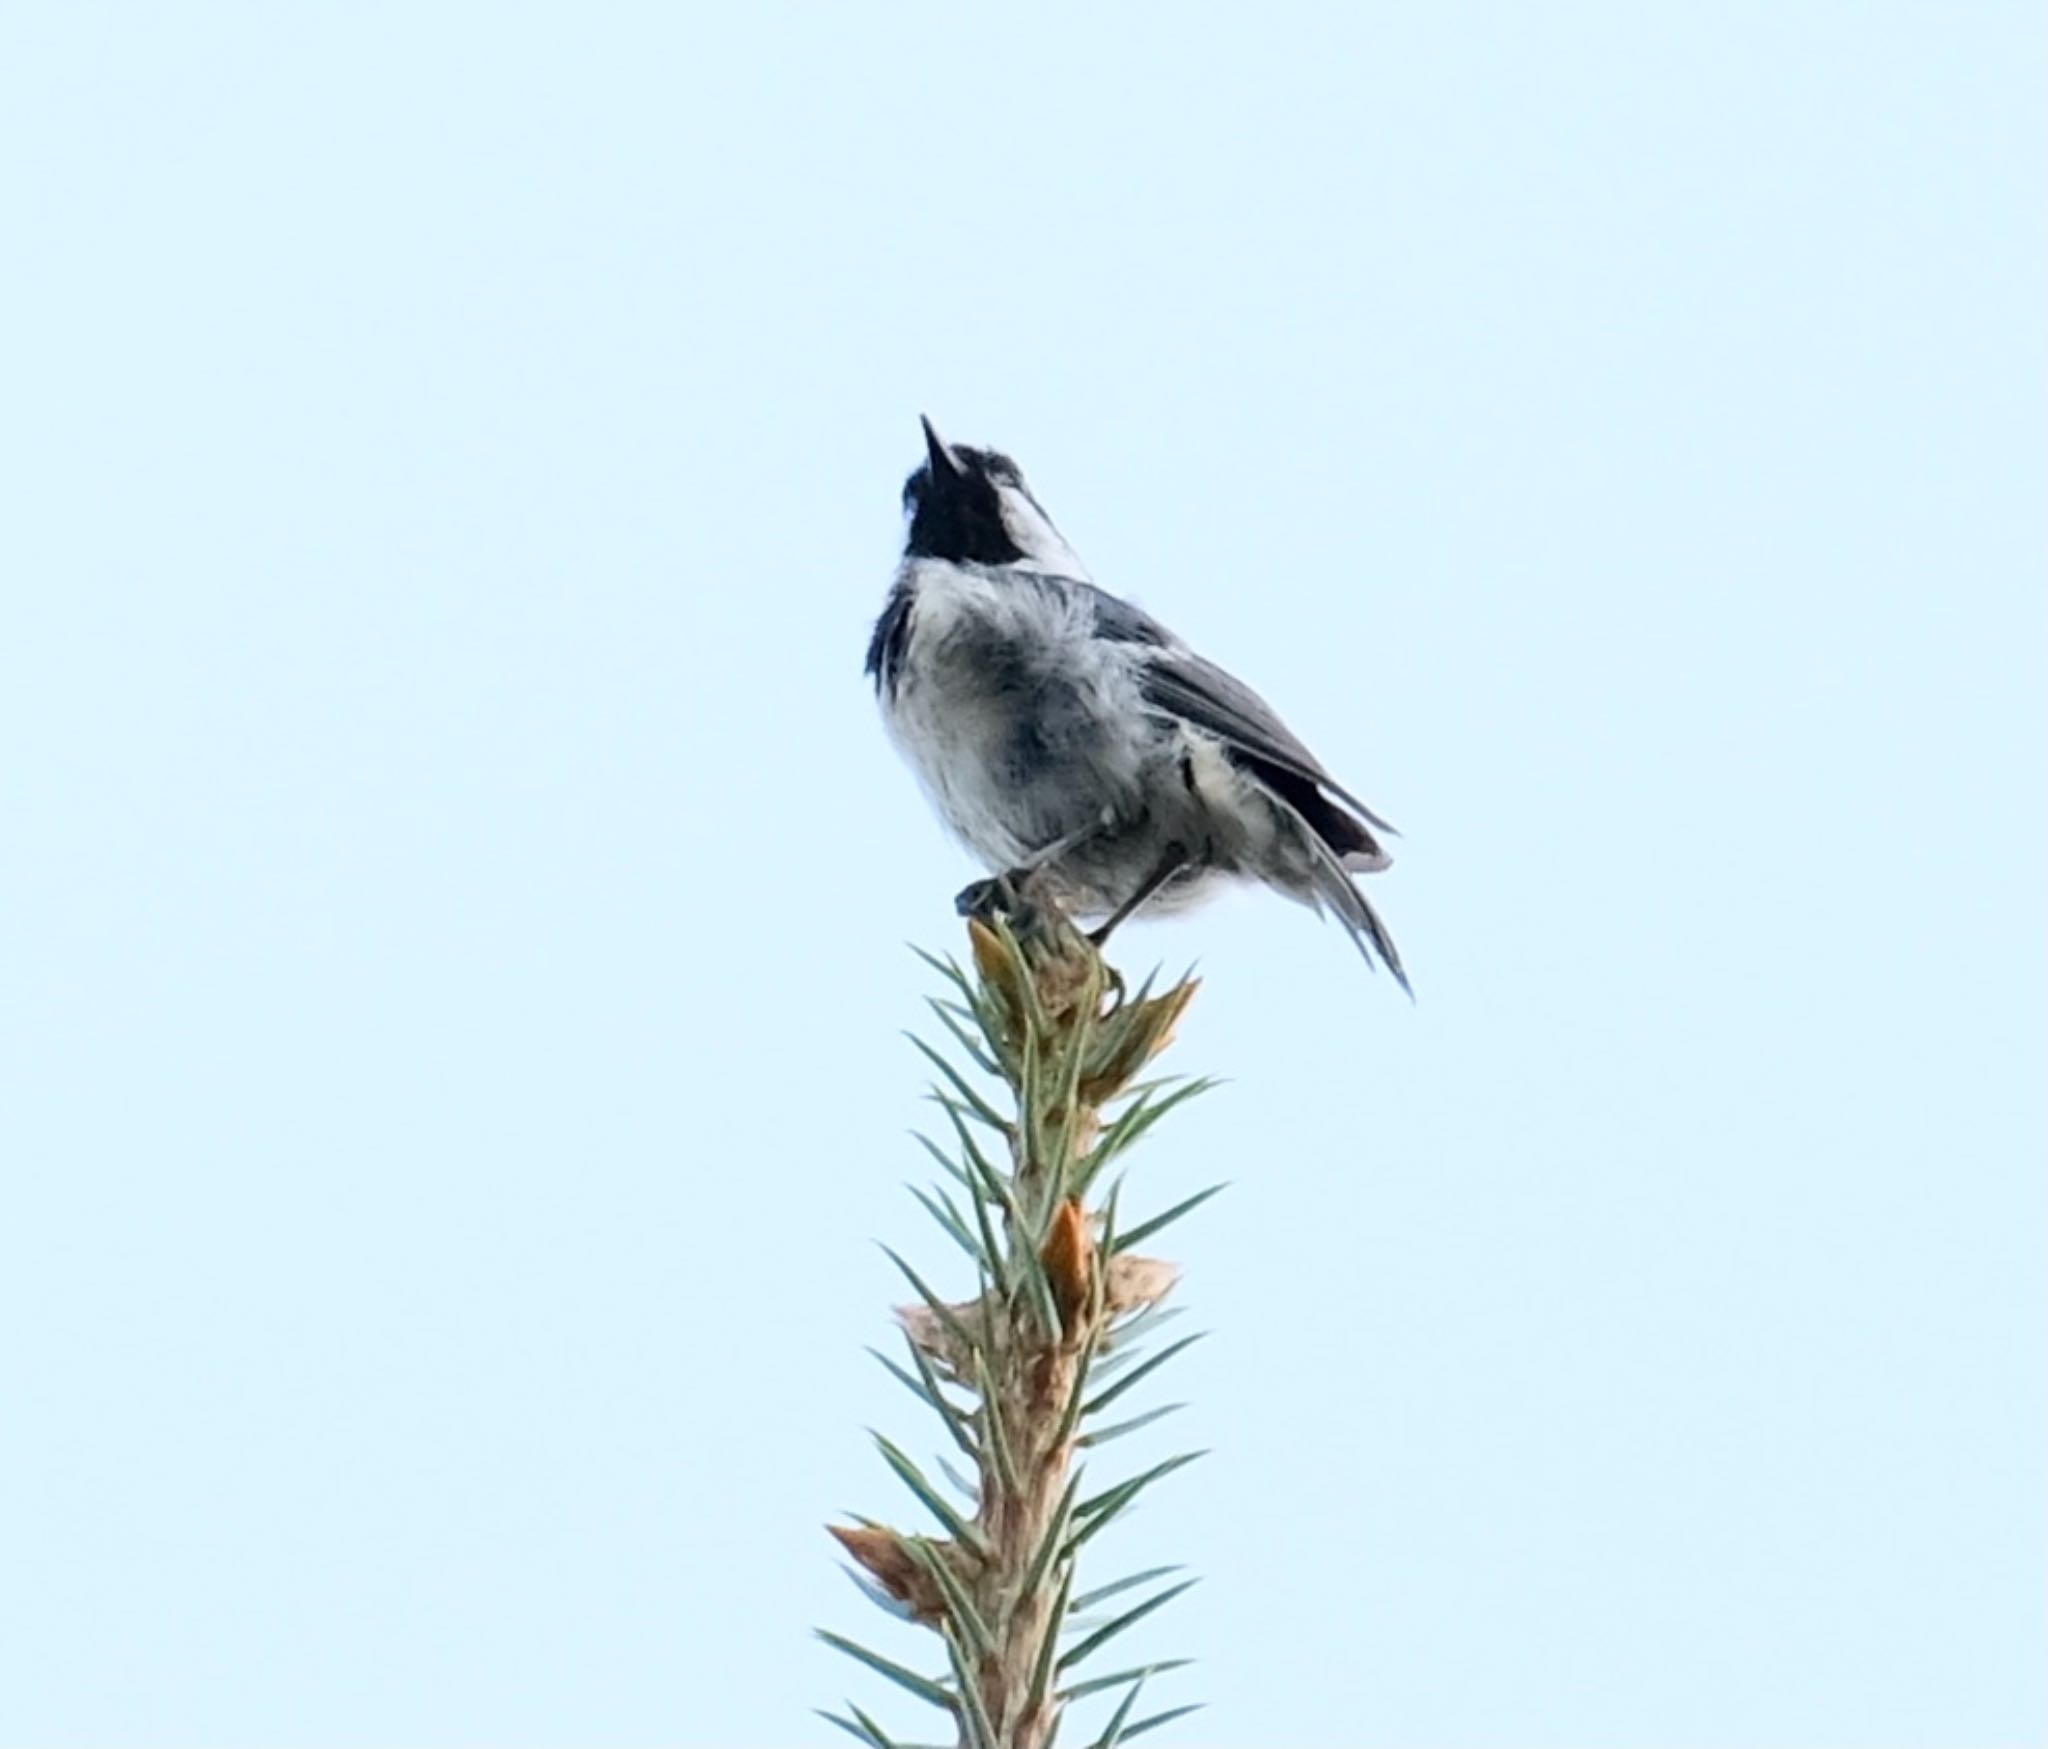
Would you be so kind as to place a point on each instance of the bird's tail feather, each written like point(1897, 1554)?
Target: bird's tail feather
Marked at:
point(1331, 889)
point(1361, 922)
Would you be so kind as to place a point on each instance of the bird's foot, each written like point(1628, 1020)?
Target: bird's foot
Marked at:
point(1001, 896)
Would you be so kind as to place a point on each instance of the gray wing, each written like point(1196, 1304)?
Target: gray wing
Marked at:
point(1178, 680)
point(1338, 844)
point(1116, 620)
point(1184, 685)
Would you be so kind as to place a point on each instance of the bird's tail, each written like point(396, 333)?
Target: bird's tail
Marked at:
point(1331, 889)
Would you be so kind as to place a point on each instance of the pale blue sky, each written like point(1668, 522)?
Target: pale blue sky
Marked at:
point(453, 910)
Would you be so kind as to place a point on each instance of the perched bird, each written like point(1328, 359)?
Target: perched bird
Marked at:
point(1077, 746)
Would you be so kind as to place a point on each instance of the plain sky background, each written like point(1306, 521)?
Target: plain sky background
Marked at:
point(454, 894)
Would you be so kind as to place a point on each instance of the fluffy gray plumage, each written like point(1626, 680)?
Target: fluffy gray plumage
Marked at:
point(1062, 731)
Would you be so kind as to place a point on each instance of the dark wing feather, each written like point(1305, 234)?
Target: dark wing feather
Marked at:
point(1116, 620)
point(1121, 623)
point(1182, 684)
point(1179, 681)
point(891, 637)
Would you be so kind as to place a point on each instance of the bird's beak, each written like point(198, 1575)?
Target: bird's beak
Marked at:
point(945, 464)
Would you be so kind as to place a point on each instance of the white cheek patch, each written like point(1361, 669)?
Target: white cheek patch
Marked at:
point(1032, 530)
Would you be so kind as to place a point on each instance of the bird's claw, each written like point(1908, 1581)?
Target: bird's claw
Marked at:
point(986, 900)
point(1003, 896)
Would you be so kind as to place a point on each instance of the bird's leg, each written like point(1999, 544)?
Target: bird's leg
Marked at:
point(1171, 862)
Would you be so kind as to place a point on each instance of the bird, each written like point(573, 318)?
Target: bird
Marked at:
point(1077, 747)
